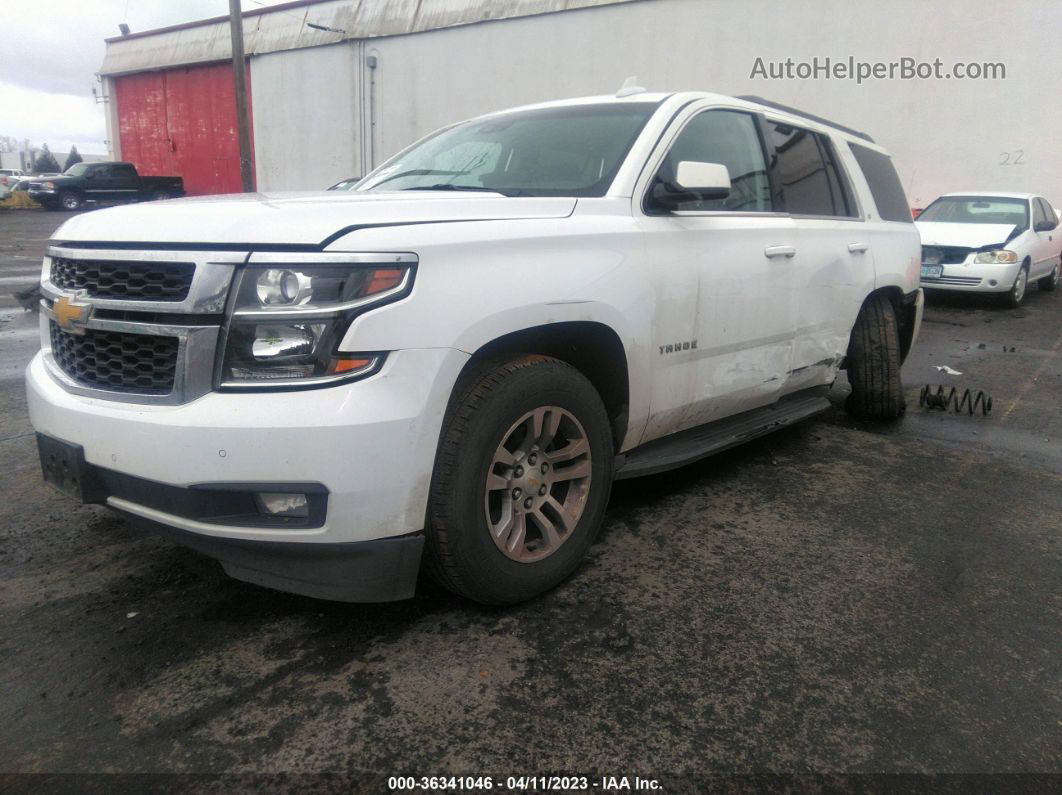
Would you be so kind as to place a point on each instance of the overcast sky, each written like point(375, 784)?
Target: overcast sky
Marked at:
point(49, 55)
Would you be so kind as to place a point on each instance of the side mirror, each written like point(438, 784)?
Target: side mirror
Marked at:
point(1044, 226)
point(694, 181)
point(707, 180)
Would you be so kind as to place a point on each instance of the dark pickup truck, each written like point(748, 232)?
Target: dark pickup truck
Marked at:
point(84, 183)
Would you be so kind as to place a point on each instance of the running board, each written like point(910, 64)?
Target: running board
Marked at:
point(685, 447)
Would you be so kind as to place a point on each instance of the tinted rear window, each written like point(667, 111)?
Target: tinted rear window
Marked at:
point(884, 184)
point(811, 182)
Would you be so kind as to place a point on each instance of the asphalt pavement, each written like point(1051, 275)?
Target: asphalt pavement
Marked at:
point(842, 597)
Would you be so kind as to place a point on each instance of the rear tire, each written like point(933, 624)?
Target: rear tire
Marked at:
point(159, 195)
point(874, 362)
point(494, 532)
point(1049, 282)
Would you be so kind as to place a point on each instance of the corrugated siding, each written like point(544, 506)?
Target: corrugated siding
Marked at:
point(268, 30)
point(182, 122)
point(306, 120)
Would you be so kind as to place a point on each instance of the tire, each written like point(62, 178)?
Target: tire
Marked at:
point(874, 362)
point(68, 200)
point(159, 195)
point(1049, 282)
point(485, 433)
point(1015, 296)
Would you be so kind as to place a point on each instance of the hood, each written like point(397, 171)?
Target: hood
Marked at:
point(937, 233)
point(304, 219)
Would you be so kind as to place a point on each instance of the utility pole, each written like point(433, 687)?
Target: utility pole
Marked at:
point(239, 73)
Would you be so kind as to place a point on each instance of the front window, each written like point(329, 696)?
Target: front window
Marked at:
point(978, 210)
point(718, 136)
point(566, 151)
point(77, 170)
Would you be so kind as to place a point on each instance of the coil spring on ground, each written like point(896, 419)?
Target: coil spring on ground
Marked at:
point(945, 399)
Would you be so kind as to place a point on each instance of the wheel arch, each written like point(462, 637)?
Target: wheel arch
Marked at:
point(592, 347)
point(905, 315)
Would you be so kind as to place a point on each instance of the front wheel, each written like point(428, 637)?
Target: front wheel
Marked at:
point(874, 362)
point(1016, 294)
point(522, 478)
point(70, 201)
point(1049, 282)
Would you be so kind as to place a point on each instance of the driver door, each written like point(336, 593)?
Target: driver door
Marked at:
point(725, 301)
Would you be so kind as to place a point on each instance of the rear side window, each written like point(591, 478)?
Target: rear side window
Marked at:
point(811, 182)
point(884, 184)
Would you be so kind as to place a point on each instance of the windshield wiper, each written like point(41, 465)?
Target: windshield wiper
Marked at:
point(416, 172)
point(451, 186)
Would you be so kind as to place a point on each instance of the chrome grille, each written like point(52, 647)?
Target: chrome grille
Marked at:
point(136, 281)
point(115, 361)
point(957, 280)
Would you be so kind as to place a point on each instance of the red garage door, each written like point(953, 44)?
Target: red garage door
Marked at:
point(182, 122)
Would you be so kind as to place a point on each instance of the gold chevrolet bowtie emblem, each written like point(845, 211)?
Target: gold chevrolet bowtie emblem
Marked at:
point(70, 315)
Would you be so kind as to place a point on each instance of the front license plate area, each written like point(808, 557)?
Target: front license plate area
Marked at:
point(932, 271)
point(64, 468)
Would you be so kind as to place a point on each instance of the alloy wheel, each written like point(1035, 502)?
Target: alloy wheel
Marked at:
point(537, 484)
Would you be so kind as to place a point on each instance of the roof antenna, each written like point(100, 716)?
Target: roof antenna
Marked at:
point(629, 88)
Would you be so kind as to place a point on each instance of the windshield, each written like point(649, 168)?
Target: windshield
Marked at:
point(77, 170)
point(566, 151)
point(978, 210)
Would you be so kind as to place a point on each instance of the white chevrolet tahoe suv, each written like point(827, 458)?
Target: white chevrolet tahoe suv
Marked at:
point(455, 358)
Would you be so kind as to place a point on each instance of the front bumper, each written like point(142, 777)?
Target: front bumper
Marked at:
point(381, 570)
point(974, 278)
point(370, 444)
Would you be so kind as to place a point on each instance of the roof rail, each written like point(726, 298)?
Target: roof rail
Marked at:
point(805, 115)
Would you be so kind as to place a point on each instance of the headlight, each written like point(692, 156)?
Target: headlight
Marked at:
point(292, 310)
point(998, 257)
point(49, 186)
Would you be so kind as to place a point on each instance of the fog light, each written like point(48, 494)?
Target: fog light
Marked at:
point(295, 506)
point(992, 282)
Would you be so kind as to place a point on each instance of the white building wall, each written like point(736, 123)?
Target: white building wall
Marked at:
point(944, 135)
point(306, 116)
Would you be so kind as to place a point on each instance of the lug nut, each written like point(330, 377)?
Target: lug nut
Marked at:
point(528, 503)
point(518, 472)
point(545, 468)
point(531, 459)
point(542, 490)
point(516, 494)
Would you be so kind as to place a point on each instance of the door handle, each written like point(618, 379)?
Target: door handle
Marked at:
point(857, 248)
point(779, 251)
